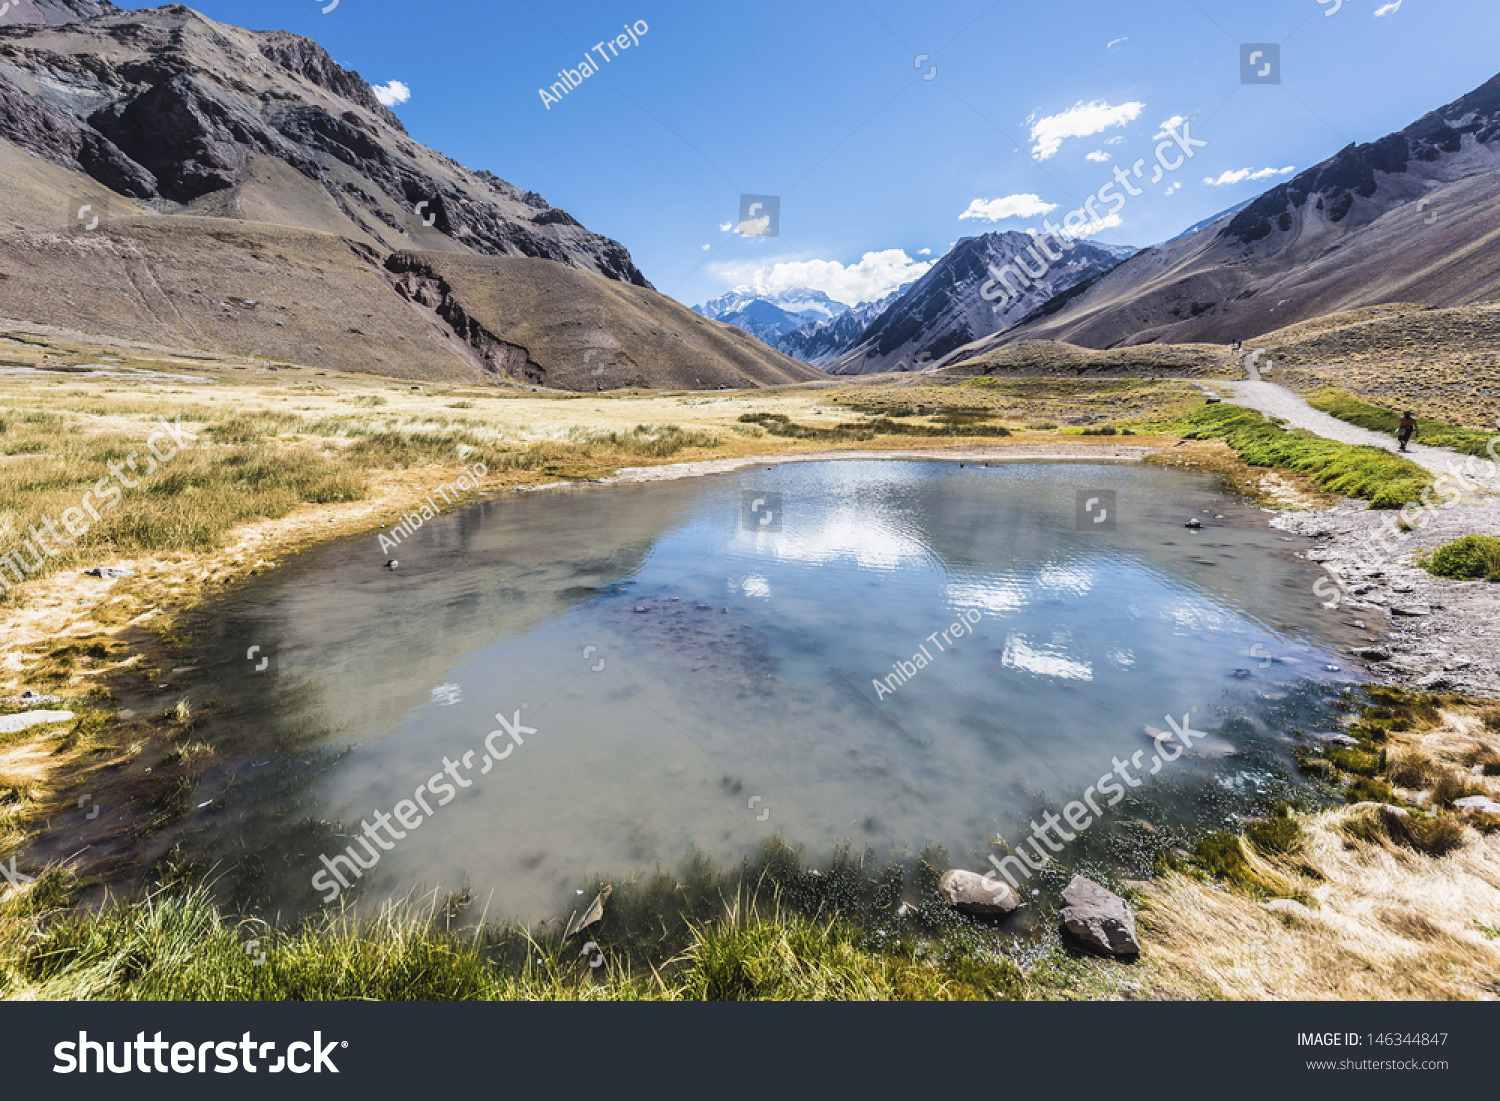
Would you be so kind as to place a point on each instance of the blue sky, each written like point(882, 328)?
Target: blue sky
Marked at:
point(877, 155)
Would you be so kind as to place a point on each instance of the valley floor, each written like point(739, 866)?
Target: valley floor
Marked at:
point(1356, 893)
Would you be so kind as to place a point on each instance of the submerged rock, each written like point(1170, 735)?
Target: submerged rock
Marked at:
point(969, 893)
point(1098, 920)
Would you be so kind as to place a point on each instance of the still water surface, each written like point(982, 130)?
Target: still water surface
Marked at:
point(697, 676)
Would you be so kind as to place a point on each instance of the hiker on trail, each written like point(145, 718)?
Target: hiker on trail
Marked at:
point(1406, 429)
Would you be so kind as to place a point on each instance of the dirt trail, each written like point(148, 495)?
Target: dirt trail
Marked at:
point(1278, 401)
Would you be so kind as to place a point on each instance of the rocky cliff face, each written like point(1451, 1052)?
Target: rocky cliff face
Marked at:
point(168, 107)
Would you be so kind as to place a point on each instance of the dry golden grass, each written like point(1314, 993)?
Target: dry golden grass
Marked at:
point(1381, 920)
point(1442, 364)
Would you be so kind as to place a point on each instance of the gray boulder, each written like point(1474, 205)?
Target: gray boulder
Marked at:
point(969, 893)
point(1098, 920)
point(108, 571)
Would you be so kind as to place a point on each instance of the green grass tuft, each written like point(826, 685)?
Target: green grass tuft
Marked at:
point(1472, 558)
point(1385, 480)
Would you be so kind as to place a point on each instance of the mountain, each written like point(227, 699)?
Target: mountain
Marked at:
point(955, 302)
point(802, 303)
point(53, 11)
point(823, 342)
point(246, 194)
point(189, 115)
point(1219, 217)
point(1413, 217)
point(769, 317)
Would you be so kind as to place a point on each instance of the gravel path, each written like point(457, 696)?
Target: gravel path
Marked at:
point(1278, 401)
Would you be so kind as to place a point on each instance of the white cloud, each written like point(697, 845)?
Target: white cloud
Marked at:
point(1098, 156)
point(726, 227)
point(1240, 175)
point(1116, 140)
point(707, 247)
point(1388, 9)
point(872, 278)
point(1082, 120)
point(1117, 42)
point(1173, 123)
point(1174, 187)
point(1089, 229)
point(1010, 206)
point(924, 252)
point(393, 94)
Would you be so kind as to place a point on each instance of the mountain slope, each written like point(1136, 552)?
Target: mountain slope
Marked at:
point(954, 303)
point(1413, 217)
point(54, 11)
point(171, 108)
point(618, 336)
point(242, 194)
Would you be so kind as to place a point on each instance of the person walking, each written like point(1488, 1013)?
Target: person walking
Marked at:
point(1406, 429)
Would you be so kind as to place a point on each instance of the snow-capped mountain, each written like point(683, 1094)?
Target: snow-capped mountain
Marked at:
point(823, 342)
point(808, 304)
point(956, 301)
point(769, 317)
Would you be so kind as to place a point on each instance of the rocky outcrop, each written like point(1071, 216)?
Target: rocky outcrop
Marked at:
point(1099, 921)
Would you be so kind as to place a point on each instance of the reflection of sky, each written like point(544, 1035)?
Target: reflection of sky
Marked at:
point(1047, 660)
point(744, 663)
point(860, 537)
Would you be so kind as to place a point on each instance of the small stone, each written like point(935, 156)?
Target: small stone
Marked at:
point(1099, 920)
point(1371, 653)
point(1399, 812)
point(640, 608)
point(970, 893)
point(392, 564)
point(108, 571)
point(1435, 681)
point(1193, 523)
point(1411, 610)
point(1242, 673)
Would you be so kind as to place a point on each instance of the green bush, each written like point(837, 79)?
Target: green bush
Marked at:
point(1472, 558)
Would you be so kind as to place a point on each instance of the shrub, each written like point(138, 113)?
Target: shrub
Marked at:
point(1472, 558)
